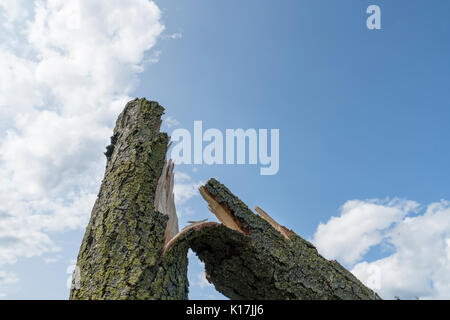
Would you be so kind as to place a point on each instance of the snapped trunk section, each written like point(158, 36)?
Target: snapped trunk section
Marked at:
point(133, 216)
point(253, 257)
point(132, 248)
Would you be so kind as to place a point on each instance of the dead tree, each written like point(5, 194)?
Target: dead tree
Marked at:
point(249, 256)
point(132, 248)
point(133, 217)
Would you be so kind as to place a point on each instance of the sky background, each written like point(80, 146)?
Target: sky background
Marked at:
point(363, 118)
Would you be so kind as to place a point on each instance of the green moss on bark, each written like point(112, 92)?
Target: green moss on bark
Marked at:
point(263, 264)
point(120, 256)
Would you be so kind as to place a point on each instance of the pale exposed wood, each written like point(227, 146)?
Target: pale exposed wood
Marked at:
point(253, 263)
point(262, 263)
point(196, 226)
point(219, 211)
point(208, 277)
point(283, 230)
point(165, 202)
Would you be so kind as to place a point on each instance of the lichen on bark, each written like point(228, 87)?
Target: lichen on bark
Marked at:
point(120, 256)
point(256, 261)
point(129, 251)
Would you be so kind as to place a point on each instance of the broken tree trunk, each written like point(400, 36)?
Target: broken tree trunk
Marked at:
point(253, 257)
point(132, 248)
point(133, 217)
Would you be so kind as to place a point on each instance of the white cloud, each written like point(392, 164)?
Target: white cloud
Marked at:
point(14, 11)
point(67, 68)
point(177, 35)
point(7, 279)
point(419, 265)
point(50, 260)
point(185, 188)
point(361, 225)
point(201, 280)
point(172, 36)
point(170, 122)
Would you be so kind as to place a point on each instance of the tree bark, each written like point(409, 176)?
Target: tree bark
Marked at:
point(120, 256)
point(253, 257)
point(132, 248)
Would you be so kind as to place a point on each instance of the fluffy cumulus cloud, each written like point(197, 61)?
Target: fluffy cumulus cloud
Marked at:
point(170, 122)
point(67, 68)
point(7, 279)
point(418, 262)
point(362, 224)
point(185, 188)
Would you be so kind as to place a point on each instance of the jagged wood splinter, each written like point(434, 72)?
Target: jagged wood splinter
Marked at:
point(132, 248)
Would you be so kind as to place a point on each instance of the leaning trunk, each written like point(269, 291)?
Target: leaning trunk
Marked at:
point(251, 256)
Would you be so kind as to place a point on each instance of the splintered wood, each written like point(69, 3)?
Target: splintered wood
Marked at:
point(283, 230)
point(196, 226)
point(220, 211)
point(165, 202)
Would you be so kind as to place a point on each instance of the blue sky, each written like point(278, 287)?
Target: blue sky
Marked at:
point(363, 115)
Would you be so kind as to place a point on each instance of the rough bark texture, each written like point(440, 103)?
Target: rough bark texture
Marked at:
point(131, 248)
point(120, 256)
point(252, 257)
